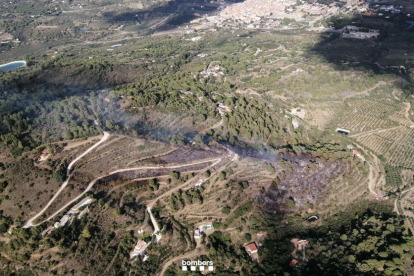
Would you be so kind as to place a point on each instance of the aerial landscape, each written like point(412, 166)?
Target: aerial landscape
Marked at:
point(222, 137)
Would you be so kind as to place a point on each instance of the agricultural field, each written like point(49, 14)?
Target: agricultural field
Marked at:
point(403, 152)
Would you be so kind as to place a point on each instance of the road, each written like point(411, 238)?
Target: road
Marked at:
point(103, 139)
point(187, 256)
point(156, 227)
point(152, 203)
point(29, 223)
point(406, 213)
point(375, 176)
point(92, 183)
point(396, 200)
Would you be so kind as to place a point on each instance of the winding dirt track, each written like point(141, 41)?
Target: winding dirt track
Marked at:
point(29, 223)
point(92, 183)
point(189, 255)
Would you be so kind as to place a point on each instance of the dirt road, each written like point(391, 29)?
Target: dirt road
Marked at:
point(396, 200)
point(92, 183)
point(189, 256)
point(152, 203)
point(29, 223)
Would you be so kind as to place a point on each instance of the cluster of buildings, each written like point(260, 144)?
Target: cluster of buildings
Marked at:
point(213, 69)
point(350, 31)
point(79, 209)
point(299, 245)
point(251, 11)
point(265, 14)
point(361, 35)
point(388, 8)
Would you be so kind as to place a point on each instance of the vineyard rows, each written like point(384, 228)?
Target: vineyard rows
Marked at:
point(373, 108)
point(360, 122)
point(375, 143)
point(394, 133)
point(403, 154)
point(401, 119)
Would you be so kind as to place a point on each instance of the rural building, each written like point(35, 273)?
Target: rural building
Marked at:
point(197, 234)
point(85, 202)
point(299, 244)
point(342, 131)
point(295, 123)
point(351, 28)
point(83, 212)
point(312, 218)
point(361, 35)
point(62, 222)
point(358, 154)
point(139, 248)
point(199, 183)
point(43, 157)
point(302, 244)
point(251, 248)
point(293, 262)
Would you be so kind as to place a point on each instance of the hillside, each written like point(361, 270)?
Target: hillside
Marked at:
point(267, 139)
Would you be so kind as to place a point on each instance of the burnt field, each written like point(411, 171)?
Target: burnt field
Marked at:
point(301, 185)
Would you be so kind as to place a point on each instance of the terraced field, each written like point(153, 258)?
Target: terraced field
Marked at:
point(121, 152)
point(378, 120)
point(402, 154)
point(375, 143)
point(393, 133)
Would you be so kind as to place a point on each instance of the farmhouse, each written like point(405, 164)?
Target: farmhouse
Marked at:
point(199, 183)
point(358, 154)
point(299, 244)
point(43, 156)
point(251, 248)
point(197, 234)
point(139, 248)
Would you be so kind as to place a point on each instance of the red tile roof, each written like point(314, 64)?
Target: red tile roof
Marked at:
point(355, 152)
point(251, 247)
point(293, 262)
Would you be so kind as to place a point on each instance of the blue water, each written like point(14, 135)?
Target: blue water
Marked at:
point(12, 65)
